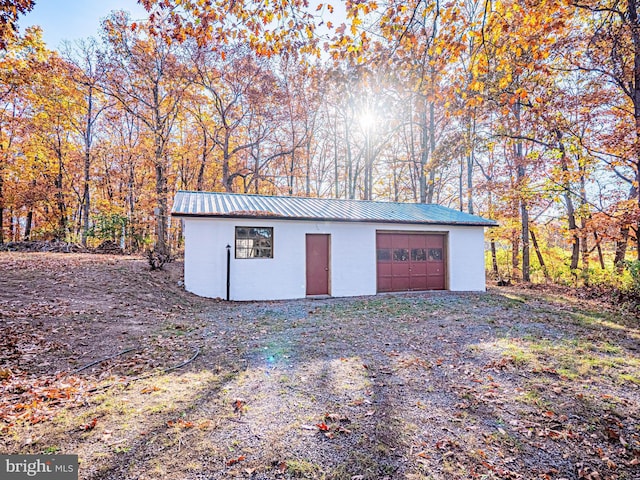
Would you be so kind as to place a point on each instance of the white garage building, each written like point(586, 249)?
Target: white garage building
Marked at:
point(256, 247)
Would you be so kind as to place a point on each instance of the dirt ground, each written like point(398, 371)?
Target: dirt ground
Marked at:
point(511, 384)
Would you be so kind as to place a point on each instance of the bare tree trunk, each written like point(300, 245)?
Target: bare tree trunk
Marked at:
point(524, 208)
point(583, 227)
point(203, 161)
point(396, 186)
point(621, 243)
point(635, 36)
point(526, 262)
point(335, 157)
point(539, 255)
point(432, 148)
point(86, 198)
point(1, 208)
point(256, 169)
point(368, 167)
point(62, 208)
point(599, 248)
point(162, 246)
point(494, 258)
point(424, 155)
point(515, 250)
point(227, 181)
point(86, 194)
point(291, 170)
point(470, 162)
point(350, 191)
point(412, 152)
point(13, 228)
point(461, 186)
point(571, 216)
point(621, 249)
point(307, 188)
point(28, 225)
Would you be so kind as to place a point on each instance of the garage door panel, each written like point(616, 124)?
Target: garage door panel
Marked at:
point(417, 241)
point(384, 284)
point(400, 284)
point(435, 270)
point(435, 241)
point(384, 241)
point(435, 282)
point(419, 268)
point(400, 241)
point(400, 269)
point(419, 282)
point(384, 269)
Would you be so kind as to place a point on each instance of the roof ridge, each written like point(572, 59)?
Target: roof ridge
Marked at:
point(385, 202)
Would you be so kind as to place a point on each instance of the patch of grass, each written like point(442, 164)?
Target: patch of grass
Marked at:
point(514, 299)
point(361, 465)
point(533, 397)
point(504, 438)
point(625, 377)
point(572, 359)
point(302, 469)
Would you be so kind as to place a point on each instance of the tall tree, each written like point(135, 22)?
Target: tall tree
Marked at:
point(86, 71)
point(147, 78)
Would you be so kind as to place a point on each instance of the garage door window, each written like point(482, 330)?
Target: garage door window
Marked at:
point(435, 254)
point(418, 254)
point(384, 254)
point(401, 255)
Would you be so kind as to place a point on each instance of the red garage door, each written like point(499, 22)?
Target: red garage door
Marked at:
point(410, 261)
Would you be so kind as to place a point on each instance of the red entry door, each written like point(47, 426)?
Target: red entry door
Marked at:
point(317, 264)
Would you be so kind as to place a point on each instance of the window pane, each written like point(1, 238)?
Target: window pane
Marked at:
point(401, 255)
point(384, 254)
point(261, 233)
point(262, 252)
point(435, 254)
point(418, 254)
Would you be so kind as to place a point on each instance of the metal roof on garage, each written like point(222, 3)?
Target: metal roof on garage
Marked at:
point(233, 205)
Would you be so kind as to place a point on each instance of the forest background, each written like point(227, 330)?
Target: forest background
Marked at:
point(526, 112)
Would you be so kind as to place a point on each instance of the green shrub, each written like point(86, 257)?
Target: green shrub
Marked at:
point(108, 227)
point(633, 267)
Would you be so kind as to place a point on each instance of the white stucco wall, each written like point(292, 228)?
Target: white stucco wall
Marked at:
point(352, 258)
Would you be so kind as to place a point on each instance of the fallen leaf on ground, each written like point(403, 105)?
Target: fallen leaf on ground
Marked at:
point(89, 426)
point(233, 461)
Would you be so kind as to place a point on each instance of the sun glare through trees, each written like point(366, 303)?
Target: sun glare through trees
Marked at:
point(525, 113)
